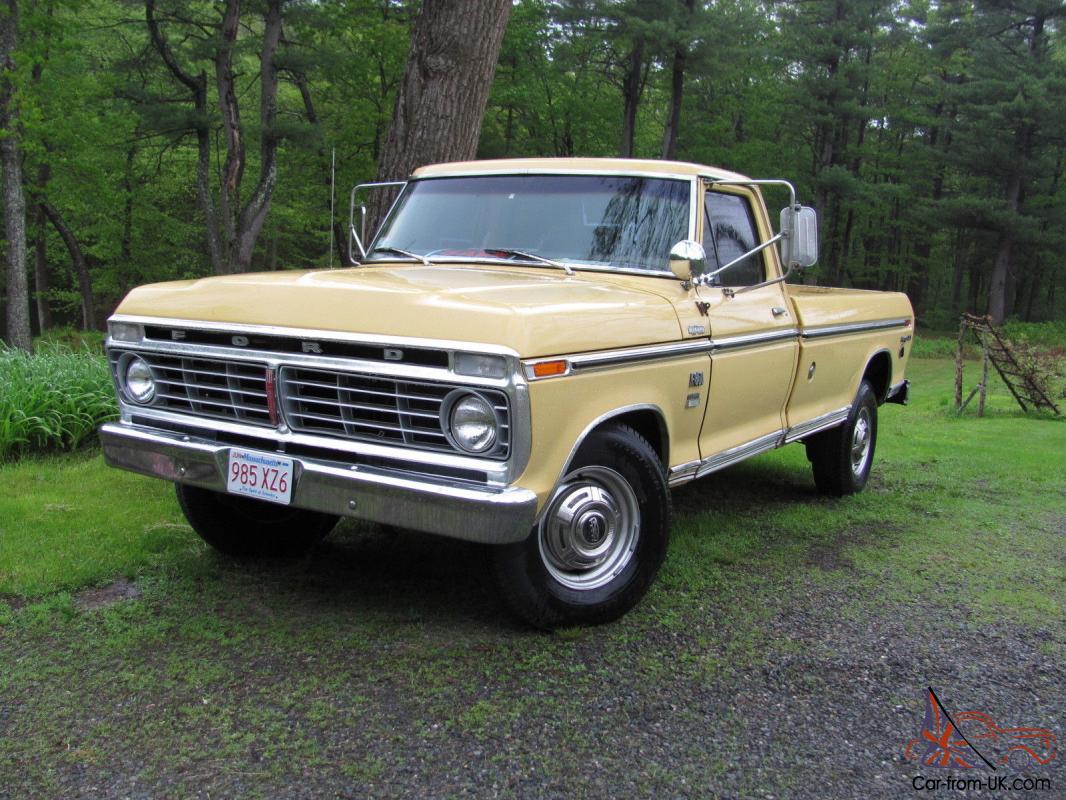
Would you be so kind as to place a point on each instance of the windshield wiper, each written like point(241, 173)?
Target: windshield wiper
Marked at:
point(407, 253)
point(529, 256)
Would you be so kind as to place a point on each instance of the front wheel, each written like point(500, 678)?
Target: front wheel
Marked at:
point(841, 457)
point(600, 540)
point(243, 526)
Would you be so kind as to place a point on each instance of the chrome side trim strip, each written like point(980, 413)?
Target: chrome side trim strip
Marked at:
point(683, 473)
point(753, 339)
point(658, 352)
point(739, 453)
point(853, 328)
point(697, 469)
point(820, 423)
point(632, 355)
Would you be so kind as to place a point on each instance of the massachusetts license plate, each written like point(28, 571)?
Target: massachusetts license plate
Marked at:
point(263, 476)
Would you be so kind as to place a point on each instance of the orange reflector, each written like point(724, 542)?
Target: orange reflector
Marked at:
point(545, 369)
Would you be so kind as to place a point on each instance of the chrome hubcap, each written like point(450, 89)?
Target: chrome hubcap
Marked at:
point(591, 528)
point(860, 442)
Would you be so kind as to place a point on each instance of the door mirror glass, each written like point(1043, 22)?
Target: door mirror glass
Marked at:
point(688, 260)
point(799, 248)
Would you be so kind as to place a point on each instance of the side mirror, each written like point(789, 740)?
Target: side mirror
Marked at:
point(799, 248)
point(688, 260)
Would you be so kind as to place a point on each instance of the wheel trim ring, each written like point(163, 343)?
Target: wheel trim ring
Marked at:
point(567, 544)
point(861, 440)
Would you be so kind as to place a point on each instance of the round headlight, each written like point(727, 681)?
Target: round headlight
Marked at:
point(472, 423)
point(139, 381)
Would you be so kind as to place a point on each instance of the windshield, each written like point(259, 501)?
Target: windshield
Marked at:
point(605, 221)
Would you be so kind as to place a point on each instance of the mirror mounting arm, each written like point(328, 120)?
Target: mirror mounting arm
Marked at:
point(357, 237)
point(734, 292)
point(707, 276)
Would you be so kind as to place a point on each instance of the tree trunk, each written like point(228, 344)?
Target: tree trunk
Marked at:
point(441, 100)
point(677, 89)
point(77, 258)
point(14, 204)
point(631, 91)
point(40, 245)
point(40, 261)
point(997, 288)
point(255, 211)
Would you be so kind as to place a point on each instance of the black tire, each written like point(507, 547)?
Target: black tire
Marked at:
point(615, 478)
point(842, 457)
point(245, 527)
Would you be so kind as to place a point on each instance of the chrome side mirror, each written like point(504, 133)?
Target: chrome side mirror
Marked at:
point(688, 260)
point(799, 247)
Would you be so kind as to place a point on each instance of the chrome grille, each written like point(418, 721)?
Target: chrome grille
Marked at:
point(231, 390)
point(376, 409)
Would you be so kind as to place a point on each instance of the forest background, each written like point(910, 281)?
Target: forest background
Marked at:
point(175, 139)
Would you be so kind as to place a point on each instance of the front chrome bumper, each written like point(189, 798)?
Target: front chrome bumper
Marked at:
point(460, 511)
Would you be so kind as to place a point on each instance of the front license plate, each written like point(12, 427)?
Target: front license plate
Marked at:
point(263, 476)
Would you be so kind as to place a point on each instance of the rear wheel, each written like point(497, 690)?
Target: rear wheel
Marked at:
point(841, 457)
point(600, 541)
point(242, 526)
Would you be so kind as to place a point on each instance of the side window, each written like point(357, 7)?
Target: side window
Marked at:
point(729, 231)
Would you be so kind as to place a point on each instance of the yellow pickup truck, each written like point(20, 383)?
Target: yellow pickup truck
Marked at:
point(529, 354)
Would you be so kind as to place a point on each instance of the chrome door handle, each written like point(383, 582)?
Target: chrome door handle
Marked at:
point(778, 311)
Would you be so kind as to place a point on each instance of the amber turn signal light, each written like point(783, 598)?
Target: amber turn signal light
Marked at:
point(545, 369)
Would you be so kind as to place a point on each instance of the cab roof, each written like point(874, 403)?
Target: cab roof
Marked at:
point(605, 166)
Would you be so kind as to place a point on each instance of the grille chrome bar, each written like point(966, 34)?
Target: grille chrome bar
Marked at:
point(402, 412)
point(205, 387)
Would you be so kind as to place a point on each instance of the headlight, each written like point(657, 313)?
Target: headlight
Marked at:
point(137, 379)
point(472, 424)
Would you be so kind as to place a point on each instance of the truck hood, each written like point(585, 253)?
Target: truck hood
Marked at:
point(534, 311)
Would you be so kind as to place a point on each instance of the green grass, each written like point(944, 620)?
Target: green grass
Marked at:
point(69, 521)
point(53, 399)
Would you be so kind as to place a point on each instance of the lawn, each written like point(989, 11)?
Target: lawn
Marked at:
point(383, 665)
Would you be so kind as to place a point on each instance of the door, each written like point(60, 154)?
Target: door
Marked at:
point(754, 332)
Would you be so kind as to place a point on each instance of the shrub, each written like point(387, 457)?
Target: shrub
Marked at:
point(1042, 335)
point(53, 399)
